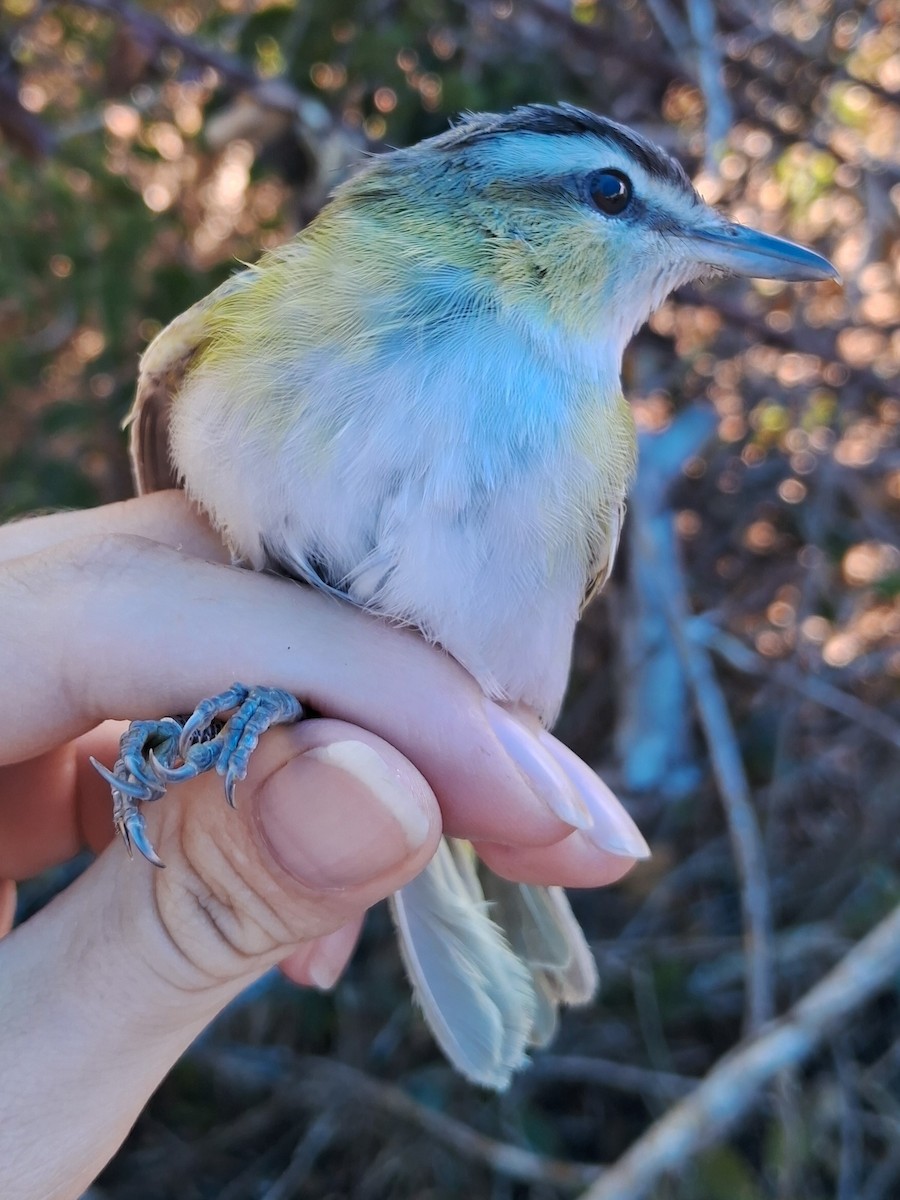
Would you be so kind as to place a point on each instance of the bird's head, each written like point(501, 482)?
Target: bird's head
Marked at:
point(565, 216)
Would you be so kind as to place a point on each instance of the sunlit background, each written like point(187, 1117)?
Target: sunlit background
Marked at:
point(145, 150)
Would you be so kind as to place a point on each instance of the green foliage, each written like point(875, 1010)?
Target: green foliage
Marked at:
point(723, 1174)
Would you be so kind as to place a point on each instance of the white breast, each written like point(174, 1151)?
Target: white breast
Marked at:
point(465, 487)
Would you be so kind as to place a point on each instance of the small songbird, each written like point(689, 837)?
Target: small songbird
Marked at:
point(416, 405)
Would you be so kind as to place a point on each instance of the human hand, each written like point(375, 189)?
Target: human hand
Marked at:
point(132, 610)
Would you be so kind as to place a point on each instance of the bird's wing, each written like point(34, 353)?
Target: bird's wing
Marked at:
point(163, 368)
point(613, 436)
point(602, 563)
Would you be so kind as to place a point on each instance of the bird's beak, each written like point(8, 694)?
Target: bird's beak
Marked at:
point(743, 251)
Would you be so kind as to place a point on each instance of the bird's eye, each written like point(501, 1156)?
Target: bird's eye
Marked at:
point(610, 192)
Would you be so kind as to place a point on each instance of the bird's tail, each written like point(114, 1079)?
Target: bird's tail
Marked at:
point(490, 961)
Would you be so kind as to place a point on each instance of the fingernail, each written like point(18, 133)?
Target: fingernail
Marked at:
point(338, 816)
point(612, 828)
point(330, 956)
point(539, 770)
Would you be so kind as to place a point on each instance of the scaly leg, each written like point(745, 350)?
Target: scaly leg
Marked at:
point(153, 754)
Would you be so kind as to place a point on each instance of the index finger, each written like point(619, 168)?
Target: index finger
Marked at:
point(122, 627)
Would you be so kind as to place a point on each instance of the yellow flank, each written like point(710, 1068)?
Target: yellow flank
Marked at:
point(609, 437)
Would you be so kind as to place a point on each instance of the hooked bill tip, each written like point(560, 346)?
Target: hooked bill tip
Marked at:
point(743, 251)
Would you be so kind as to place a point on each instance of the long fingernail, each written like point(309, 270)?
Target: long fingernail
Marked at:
point(612, 828)
point(541, 773)
point(338, 816)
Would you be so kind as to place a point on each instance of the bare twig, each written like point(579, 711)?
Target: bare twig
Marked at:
point(731, 1089)
point(329, 146)
point(743, 827)
point(263, 1165)
point(515, 1162)
point(156, 33)
point(710, 76)
point(881, 1182)
point(654, 734)
point(325, 1083)
point(604, 1072)
point(708, 861)
point(725, 756)
point(850, 1147)
point(672, 27)
point(814, 688)
point(696, 45)
point(311, 1146)
point(792, 947)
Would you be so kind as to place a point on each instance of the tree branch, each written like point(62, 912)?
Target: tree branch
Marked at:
point(731, 1089)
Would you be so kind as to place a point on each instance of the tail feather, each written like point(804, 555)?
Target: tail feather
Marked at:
point(489, 988)
point(547, 1017)
point(543, 931)
point(577, 982)
point(476, 994)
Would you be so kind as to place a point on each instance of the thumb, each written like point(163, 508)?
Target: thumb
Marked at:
point(118, 974)
point(330, 820)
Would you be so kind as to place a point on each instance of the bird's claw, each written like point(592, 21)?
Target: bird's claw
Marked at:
point(138, 742)
point(153, 754)
point(260, 709)
point(132, 829)
point(136, 789)
point(198, 760)
point(196, 728)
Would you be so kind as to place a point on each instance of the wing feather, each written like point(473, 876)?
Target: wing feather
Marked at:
point(603, 563)
point(164, 365)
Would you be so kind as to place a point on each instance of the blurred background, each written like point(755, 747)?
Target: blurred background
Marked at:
point(739, 681)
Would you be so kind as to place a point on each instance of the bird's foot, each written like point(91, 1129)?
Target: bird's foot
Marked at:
point(153, 754)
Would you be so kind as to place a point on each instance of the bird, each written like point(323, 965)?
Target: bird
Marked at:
point(416, 405)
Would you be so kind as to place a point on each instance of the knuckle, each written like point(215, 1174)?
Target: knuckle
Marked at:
point(220, 924)
point(97, 554)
